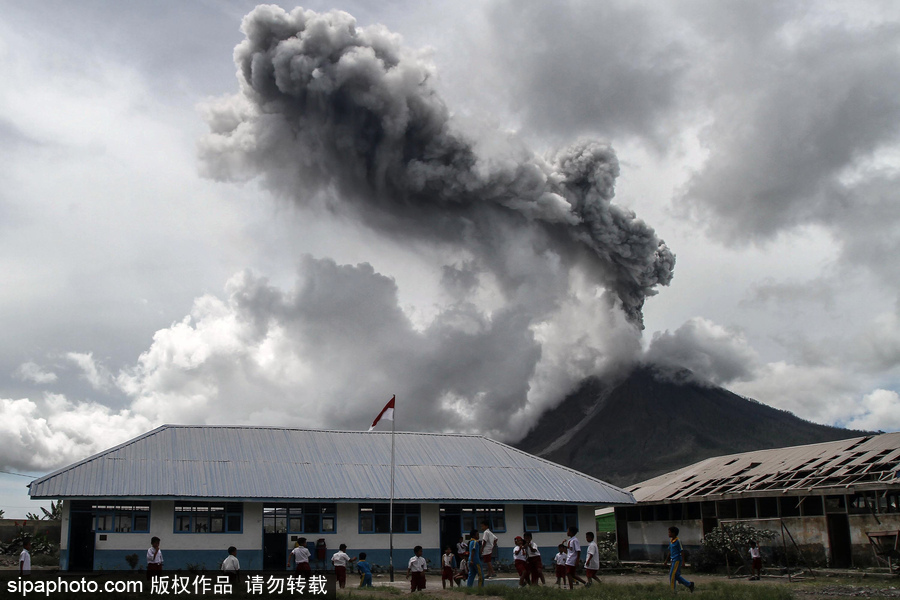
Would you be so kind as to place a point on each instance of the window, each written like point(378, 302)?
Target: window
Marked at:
point(768, 507)
point(299, 518)
point(375, 518)
point(726, 509)
point(472, 516)
point(550, 517)
point(746, 508)
point(888, 501)
point(812, 506)
point(692, 510)
point(835, 504)
point(122, 518)
point(208, 517)
point(861, 503)
point(790, 506)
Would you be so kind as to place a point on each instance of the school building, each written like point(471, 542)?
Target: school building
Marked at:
point(839, 501)
point(201, 489)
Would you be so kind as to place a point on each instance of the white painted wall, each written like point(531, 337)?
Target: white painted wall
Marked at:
point(64, 527)
point(162, 525)
point(162, 521)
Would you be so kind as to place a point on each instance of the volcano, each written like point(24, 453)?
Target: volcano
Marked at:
point(654, 421)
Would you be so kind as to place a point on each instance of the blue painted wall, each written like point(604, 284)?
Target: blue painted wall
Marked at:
point(114, 560)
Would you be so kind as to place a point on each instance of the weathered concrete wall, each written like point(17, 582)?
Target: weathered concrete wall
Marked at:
point(649, 540)
point(861, 550)
point(810, 534)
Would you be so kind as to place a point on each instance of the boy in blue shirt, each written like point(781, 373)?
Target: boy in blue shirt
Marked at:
point(676, 555)
point(475, 564)
point(365, 571)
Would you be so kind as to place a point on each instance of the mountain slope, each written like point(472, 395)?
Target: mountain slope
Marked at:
point(648, 424)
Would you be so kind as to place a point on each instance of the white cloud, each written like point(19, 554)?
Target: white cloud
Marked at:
point(33, 372)
point(823, 394)
point(52, 432)
point(878, 411)
point(91, 371)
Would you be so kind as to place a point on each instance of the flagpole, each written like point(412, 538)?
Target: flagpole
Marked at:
point(391, 509)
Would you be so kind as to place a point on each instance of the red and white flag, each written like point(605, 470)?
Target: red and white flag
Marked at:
point(387, 413)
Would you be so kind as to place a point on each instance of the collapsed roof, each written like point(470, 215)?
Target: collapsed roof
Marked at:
point(845, 466)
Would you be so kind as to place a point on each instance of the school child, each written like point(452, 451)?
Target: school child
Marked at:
point(488, 544)
point(676, 553)
point(755, 561)
point(573, 557)
point(365, 571)
point(231, 566)
point(154, 558)
point(415, 572)
point(475, 565)
point(560, 560)
point(463, 573)
point(535, 565)
point(300, 555)
point(340, 560)
point(447, 567)
point(462, 549)
point(592, 561)
point(25, 558)
point(520, 560)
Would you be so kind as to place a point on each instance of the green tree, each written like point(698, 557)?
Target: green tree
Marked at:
point(54, 514)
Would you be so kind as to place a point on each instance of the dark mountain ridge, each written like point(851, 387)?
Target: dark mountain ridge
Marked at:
point(651, 422)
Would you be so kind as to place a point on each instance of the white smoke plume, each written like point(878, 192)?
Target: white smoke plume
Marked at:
point(335, 113)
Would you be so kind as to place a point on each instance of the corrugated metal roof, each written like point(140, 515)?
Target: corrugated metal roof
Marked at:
point(858, 463)
point(302, 464)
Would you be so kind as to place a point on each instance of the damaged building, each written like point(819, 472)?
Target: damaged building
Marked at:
point(832, 499)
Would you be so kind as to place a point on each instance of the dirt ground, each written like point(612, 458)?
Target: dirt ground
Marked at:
point(821, 587)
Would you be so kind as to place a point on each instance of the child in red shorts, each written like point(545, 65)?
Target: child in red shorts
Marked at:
point(447, 568)
point(520, 559)
point(560, 560)
point(416, 571)
point(535, 566)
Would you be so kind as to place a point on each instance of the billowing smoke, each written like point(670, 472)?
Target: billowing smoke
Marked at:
point(345, 115)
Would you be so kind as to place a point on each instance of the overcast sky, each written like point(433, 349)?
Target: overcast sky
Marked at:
point(471, 205)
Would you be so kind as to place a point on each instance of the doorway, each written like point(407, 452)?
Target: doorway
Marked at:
point(622, 536)
point(274, 551)
point(81, 541)
point(839, 541)
point(275, 537)
point(451, 528)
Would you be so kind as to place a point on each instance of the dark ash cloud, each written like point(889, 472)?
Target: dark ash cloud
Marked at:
point(333, 112)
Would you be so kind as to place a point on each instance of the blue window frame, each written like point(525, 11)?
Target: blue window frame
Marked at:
point(209, 517)
point(550, 517)
point(375, 518)
point(471, 516)
point(121, 517)
point(310, 517)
